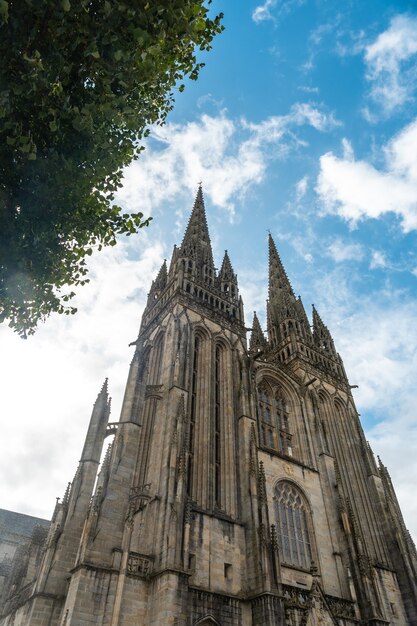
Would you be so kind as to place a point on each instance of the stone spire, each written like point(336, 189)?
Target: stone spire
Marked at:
point(196, 244)
point(227, 280)
point(157, 287)
point(282, 305)
point(322, 337)
point(97, 427)
point(257, 342)
point(278, 279)
point(161, 280)
point(226, 272)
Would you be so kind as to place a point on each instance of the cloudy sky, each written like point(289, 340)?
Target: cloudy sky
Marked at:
point(304, 122)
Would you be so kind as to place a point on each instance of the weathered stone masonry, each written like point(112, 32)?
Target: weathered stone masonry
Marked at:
point(239, 489)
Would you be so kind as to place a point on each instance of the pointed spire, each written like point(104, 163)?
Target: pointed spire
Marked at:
point(103, 394)
point(226, 272)
point(278, 279)
point(174, 259)
point(97, 427)
point(161, 280)
point(318, 323)
point(196, 243)
point(257, 342)
point(321, 334)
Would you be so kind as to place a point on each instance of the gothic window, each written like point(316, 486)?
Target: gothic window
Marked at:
point(293, 525)
point(273, 419)
point(194, 381)
point(217, 426)
point(265, 408)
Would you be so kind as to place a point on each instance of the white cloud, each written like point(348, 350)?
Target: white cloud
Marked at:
point(262, 12)
point(228, 155)
point(341, 251)
point(378, 260)
point(356, 189)
point(301, 188)
point(390, 66)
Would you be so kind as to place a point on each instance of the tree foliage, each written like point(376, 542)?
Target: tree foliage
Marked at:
point(80, 83)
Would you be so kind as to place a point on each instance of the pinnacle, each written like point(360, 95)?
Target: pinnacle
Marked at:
point(317, 321)
point(162, 274)
point(104, 389)
point(319, 327)
point(174, 258)
point(278, 278)
point(257, 339)
point(226, 270)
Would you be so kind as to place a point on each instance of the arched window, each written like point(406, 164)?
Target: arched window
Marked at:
point(293, 525)
point(193, 411)
point(267, 427)
point(273, 418)
point(217, 426)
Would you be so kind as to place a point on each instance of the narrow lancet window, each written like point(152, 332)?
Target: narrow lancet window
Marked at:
point(267, 428)
point(293, 526)
point(273, 419)
point(217, 428)
point(194, 376)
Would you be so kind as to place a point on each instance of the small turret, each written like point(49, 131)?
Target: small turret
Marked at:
point(227, 279)
point(322, 338)
point(158, 285)
point(257, 342)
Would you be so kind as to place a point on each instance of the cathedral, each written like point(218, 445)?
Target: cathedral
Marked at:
point(239, 489)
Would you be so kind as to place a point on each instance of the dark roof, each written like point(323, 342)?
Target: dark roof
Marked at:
point(12, 524)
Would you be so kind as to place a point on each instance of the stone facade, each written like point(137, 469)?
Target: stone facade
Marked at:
point(239, 489)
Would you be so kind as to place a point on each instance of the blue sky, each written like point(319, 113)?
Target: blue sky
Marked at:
point(304, 122)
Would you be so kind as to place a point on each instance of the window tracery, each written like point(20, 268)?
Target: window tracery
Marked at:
point(273, 418)
point(293, 525)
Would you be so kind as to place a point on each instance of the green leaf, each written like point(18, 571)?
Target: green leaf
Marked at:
point(66, 5)
point(200, 24)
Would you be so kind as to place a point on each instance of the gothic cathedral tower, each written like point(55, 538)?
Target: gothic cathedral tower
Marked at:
point(239, 489)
